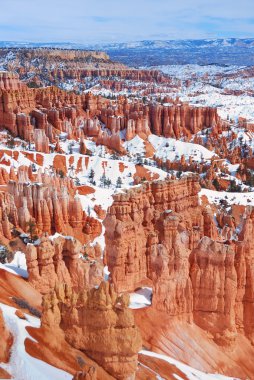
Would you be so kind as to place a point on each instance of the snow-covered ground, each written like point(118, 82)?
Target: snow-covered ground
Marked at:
point(189, 372)
point(141, 298)
point(231, 106)
point(208, 85)
point(17, 265)
point(244, 199)
point(185, 72)
point(172, 149)
point(22, 366)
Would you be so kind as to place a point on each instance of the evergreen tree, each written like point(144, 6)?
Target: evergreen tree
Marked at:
point(10, 142)
point(32, 230)
point(119, 182)
point(103, 180)
point(108, 182)
point(216, 184)
point(77, 181)
point(233, 187)
point(91, 175)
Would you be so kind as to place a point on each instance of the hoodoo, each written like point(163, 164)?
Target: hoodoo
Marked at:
point(126, 211)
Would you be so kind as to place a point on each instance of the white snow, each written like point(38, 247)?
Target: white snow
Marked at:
point(17, 265)
point(141, 298)
point(187, 71)
point(172, 149)
point(135, 145)
point(106, 273)
point(22, 366)
point(213, 86)
point(228, 105)
point(244, 199)
point(190, 373)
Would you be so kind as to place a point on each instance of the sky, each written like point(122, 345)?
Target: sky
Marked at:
point(84, 21)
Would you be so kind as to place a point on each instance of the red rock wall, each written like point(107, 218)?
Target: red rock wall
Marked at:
point(53, 206)
point(54, 111)
point(99, 323)
point(9, 81)
point(144, 219)
point(50, 203)
point(160, 235)
point(58, 261)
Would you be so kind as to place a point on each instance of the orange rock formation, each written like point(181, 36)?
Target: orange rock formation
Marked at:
point(160, 234)
point(97, 322)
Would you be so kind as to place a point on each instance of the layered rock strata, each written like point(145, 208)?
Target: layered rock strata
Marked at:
point(59, 261)
point(160, 234)
point(53, 206)
point(99, 323)
point(41, 115)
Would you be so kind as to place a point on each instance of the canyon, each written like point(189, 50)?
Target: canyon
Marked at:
point(126, 224)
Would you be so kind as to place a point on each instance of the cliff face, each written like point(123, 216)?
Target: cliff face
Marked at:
point(214, 282)
point(177, 121)
point(9, 81)
point(159, 234)
point(244, 265)
point(51, 204)
point(141, 226)
point(16, 100)
point(58, 261)
point(99, 323)
point(40, 115)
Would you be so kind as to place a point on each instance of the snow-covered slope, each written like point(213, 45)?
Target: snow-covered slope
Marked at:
point(187, 371)
point(22, 366)
point(215, 197)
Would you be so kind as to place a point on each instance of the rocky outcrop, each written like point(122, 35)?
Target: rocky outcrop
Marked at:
point(9, 81)
point(59, 261)
point(244, 266)
point(52, 204)
point(160, 235)
point(181, 119)
point(8, 214)
point(40, 203)
point(14, 105)
point(40, 115)
point(214, 283)
point(41, 141)
point(99, 323)
point(141, 225)
point(89, 374)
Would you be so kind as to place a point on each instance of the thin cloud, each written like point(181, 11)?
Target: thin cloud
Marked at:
point(117, 20)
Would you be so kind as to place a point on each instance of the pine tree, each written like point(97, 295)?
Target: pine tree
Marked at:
point(216, 184)
point(108, 182)
point(10, 142)
point(31, 230)
point(233, 187)
point(103, 180)
point(77, 181)
point(119, 182)
point(91, 175)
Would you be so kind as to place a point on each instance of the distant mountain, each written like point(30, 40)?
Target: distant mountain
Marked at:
point(223, 51)
point(27, 44)
point(180, 44)
point(145, 44)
